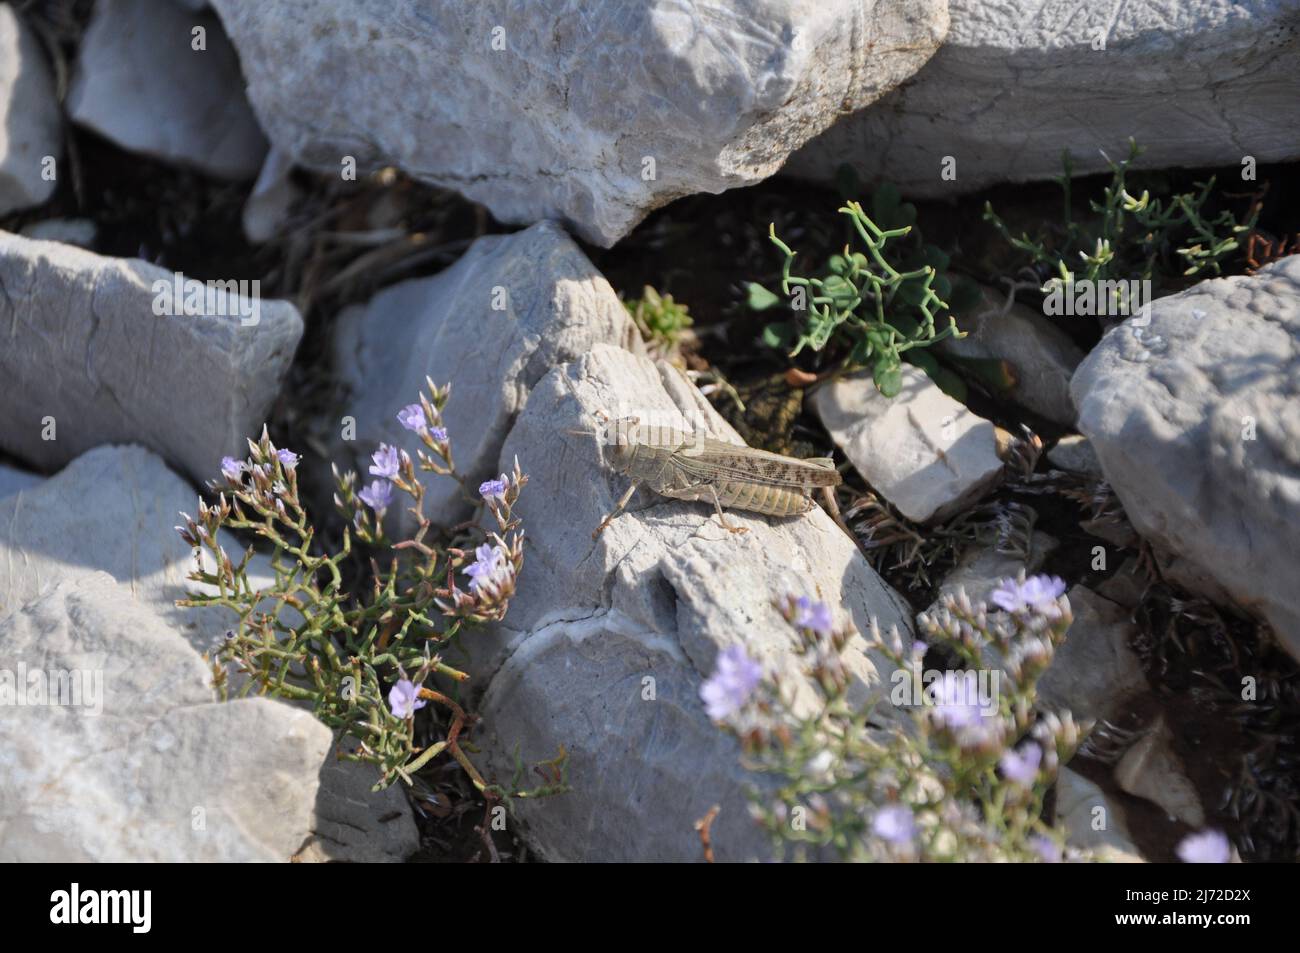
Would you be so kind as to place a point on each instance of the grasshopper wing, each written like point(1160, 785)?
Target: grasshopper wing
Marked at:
point(712, 460)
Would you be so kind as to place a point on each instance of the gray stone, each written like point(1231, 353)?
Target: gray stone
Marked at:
point(1152, 770)
point(982, 568)
point(1193, 412)
point(87, 353)
point(273, 194)
point(114, 510)
point(1073, 452)
point(1095, 674)
point(30, 124)
point(552, 110)
point(111, 510)
point(139, 82)
point(553, 306)
point(1041, 356)
point(151, 769)
point(922, 451)
point(356, 825)
point(1092, 821)
point(647, 606)
point(14, 481)
point(1198, 82)
point(1127, 585)
point(71, 231)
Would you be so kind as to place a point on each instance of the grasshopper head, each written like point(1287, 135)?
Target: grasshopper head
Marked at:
point(622, 437)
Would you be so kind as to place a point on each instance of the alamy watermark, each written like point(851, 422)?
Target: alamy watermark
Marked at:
point(977, 691)
point(39, 688)
point(1096, 298)
point(193, 298)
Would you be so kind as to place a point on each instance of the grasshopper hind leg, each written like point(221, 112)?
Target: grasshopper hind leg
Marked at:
point(618, 508)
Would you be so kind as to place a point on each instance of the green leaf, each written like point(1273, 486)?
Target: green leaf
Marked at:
point(888, 377)
point(779, 334)
point(760, 299)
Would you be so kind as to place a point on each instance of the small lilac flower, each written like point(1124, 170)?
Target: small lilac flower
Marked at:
point(378, 495)
point(734, 678)
point(388, 462)
point(288, 459)
point(232, 469)
point(1021, 768)
point(812, 615)
point(489, 563)
point(404, 698)
point(1037, 593)
point(494, 489)
point(1046, 848)
point(1207, 847)
point(279, 489)
point(412, 418)
point(439, 434)
point(894, 823)
point(955, 697)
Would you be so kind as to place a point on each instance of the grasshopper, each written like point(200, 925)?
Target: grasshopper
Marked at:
point(685, 465)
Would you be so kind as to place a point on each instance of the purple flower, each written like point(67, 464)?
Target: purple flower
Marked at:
point(735, 676)
point(1037, 593)
point(894, 823)
point(1046, 848)
point(412, 418)
point(439, 434)
point(288, 459)
point(1021, 768)
point(489, 563)
point(404, 699)
point(494, 489)
point(812, 615)
point(378, 495)
point(956, 699)
point(233, 469)
point(1207, 847)
point(388, 462)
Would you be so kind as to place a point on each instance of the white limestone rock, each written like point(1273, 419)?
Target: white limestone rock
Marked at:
point(594, 114)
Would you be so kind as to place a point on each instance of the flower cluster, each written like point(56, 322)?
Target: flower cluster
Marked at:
point(958, 767)
point(360, 639)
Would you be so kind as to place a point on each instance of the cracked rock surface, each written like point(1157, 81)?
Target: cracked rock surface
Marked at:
point(1017, 80)
point(1194, 414)
point(491, 325)
point(162, 772)
point(512, 104)
point(608, 640)
point(88, 361)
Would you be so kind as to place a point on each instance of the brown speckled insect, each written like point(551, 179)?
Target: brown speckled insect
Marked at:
point(684, 465)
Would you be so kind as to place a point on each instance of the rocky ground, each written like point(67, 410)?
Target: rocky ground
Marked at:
point(491, 238)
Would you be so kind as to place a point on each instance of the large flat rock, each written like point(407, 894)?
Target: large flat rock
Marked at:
point(88, 360)
point(151, 768)
point(590, 113)
point(1198, 82)
point(114, 510)
point(608, 640)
